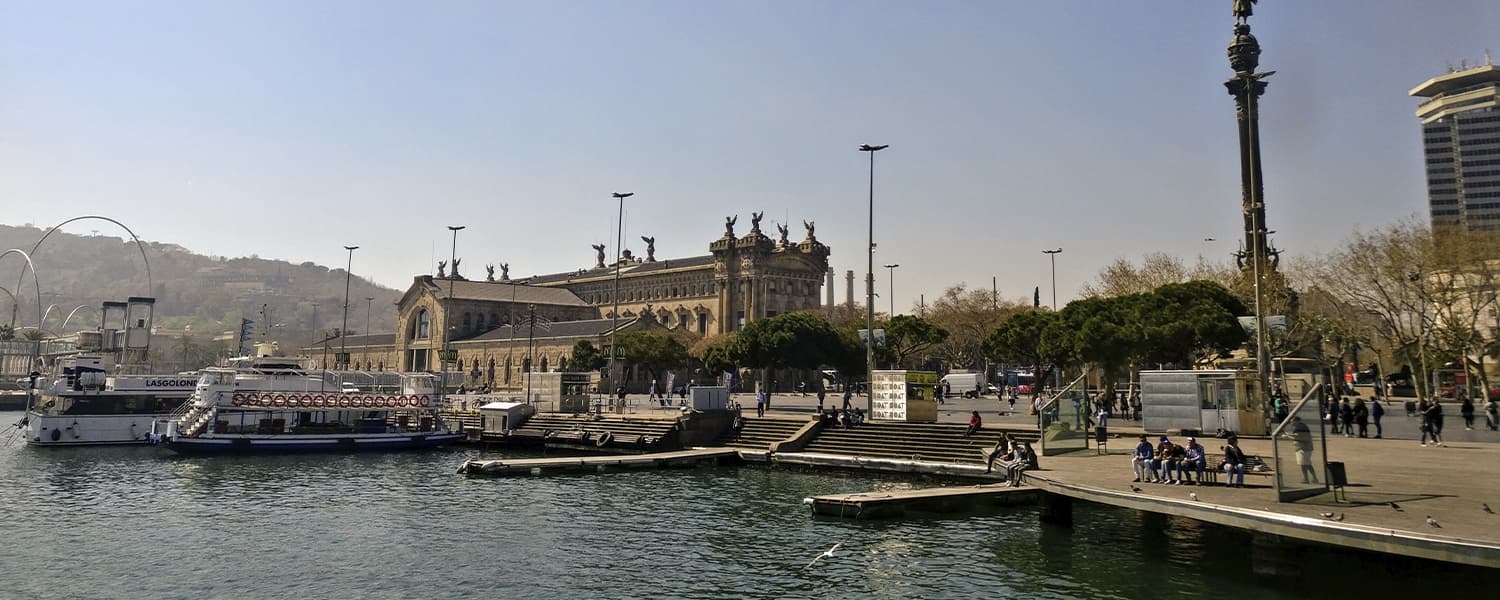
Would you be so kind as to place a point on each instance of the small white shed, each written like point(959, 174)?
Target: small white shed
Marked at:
point(500, 417)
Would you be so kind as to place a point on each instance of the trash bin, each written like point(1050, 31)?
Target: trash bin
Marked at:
point(1336, 475)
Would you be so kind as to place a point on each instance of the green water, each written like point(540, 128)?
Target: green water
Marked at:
point(143, 523)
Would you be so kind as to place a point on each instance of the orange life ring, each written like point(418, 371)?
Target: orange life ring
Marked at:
point(238, 399)
point(422, 400)
point(343, 402)
point(405, 401)
point(279, 400)
point(367, 402)
point(260, 399)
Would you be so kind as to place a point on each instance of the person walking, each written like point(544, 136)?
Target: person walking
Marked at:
point(1467, 411)
point(760, 404)
point(1435, 421)
point(820, 399)
point(1135, 405)
point(1377, 410)
point(1361, 416)
point(1346, 417)
point(1492, 415)
point(1302, 442)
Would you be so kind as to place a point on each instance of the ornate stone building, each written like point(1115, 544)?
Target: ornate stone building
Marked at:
point(493, 325)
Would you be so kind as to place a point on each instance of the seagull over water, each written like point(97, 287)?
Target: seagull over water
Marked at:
point(826, 554)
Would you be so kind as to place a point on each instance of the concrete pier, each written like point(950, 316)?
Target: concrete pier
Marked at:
point(874, 505)
point(547, 466)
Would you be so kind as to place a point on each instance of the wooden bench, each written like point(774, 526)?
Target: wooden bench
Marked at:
point(1253, 466)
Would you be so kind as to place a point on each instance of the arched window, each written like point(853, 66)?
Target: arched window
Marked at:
point(422, 326)
point(479, 322)
point(544, 363)
point(494, 320)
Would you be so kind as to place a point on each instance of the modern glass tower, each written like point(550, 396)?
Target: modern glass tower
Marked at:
point(1460, 114)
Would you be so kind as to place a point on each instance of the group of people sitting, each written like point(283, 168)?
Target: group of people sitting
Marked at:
point(842, 417)
point(1013, 455)
point(1172, 464)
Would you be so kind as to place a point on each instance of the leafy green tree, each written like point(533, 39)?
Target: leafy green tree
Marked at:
point(907, 337)
point(586, 357)
point(793, 340)
point(651, 350)
point(1037, 338)
point(715, 352)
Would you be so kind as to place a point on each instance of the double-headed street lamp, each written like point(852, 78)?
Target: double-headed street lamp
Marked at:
point(891, 275)
point(615, 317)
point(343, 357)
point(870, 288)
point(1053, 255)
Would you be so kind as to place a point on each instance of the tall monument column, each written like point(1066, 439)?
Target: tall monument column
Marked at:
point(1247, 86)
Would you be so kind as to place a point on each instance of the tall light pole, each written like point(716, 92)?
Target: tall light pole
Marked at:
point(891, 275)
point(1053, 255)
point(369, 301)
point(344, 330)
point(615, 316)
point(870, 288)
point(448, 310)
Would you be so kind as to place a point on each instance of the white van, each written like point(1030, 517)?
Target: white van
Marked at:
point(965, 383)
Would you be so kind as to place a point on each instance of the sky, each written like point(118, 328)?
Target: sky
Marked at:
point(289, 129)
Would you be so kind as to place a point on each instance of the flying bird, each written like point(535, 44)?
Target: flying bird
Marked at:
point(1431, 522)
point(1193, 495)
point(1397, 507)
point(826, 554)
point(1135, 489)
point(1486, 507)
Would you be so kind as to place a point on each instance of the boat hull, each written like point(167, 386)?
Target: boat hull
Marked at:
point(247, 444)
point(89, 430)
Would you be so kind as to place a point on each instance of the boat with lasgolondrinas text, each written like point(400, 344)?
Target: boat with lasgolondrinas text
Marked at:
point(279, 404)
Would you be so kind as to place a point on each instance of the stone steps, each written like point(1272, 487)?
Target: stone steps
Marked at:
point(759, 434)
point(936, 442)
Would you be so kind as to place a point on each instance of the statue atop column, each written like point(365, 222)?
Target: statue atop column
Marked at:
point(598, 256)
point(729, 225)
point(504, 271)
point(755, 222)
point(782, 229)
point(489, 272)
point(1243, 9)
point(809, 225)
point(442, 264)
point(455, 268)
point(650, 248)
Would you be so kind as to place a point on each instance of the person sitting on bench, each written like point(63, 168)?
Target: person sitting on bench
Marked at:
point(1141, 462)
point(1234, 462)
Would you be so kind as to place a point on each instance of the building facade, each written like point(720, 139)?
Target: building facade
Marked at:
point(490, 327)
point(1460, 114)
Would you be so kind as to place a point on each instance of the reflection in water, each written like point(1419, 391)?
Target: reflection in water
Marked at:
point(139, 522)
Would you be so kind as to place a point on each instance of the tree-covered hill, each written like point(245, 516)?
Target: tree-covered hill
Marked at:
point(204, 295)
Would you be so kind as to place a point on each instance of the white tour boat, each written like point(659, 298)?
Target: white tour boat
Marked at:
point(101, 394)
point(279, 404)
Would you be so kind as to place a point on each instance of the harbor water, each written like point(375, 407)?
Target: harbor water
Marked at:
point(139, 522)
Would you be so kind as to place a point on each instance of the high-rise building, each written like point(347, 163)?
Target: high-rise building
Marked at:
point(1460, 117)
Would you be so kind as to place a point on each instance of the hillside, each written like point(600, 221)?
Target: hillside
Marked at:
point(201, 295)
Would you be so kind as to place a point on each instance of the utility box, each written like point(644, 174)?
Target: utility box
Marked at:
point(569, 392)
point(500, 417)
point(903, 396)
point(708, 397)
point(1206, 401)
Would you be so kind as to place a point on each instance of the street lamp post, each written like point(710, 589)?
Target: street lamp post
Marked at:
point(891, 275)
point(369, 301)
point(615, 316)
point(448, 310)
point(1053, 255)
point(870, 287)
point(344, 330)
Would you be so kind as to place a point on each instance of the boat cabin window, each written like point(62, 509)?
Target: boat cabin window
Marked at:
point(216, 378)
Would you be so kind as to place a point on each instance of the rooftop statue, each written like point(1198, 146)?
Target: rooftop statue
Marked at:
point(650, 248)
point(598, 256)
point(782, 229)
point(442, 264)
point(729, 225)
point(809, 225)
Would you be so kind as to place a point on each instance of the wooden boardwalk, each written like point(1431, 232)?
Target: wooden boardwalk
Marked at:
point(874, 505)
point(542, 466)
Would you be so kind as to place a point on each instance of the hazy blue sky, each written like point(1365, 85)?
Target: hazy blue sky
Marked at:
point(289, 129)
